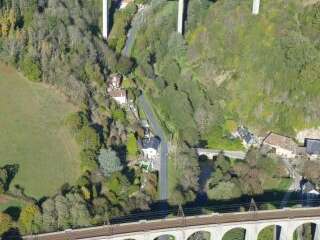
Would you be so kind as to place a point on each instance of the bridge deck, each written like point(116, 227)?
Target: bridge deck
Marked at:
point(181, 222)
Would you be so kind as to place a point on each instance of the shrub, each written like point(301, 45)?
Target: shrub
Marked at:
point(31, 69)
point(109, 162)
point(88, 138)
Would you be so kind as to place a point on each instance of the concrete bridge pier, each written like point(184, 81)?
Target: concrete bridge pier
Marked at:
point(255, 7)
point(286, 231)
point(180, 16)
point(317, 231)
point(105, 12)
point(251, 233)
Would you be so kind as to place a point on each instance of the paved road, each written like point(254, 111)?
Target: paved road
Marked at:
point(157, 129)
point(136, 23)
point(138, 20)
point(181, 222)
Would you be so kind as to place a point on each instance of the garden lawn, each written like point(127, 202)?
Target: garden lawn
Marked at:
point(32, 134)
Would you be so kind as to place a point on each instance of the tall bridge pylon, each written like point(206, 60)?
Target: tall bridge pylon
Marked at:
point(105, 10)
point(255, 7)
point(180, 16)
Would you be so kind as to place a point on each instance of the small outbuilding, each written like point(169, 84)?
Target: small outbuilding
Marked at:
point(309, 189)
point(313, 148)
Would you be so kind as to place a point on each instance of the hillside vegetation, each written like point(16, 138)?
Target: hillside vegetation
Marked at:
point(232, 68)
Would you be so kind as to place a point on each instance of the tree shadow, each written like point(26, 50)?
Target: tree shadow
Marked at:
point(202, 205)
point(12, 170)
point(12, 234)
point(14, 212)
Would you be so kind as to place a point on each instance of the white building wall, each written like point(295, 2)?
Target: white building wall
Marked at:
point(150, 153)
point(121, 100)
point(285, 153)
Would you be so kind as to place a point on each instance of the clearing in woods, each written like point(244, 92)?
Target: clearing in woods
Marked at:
point(33, 136)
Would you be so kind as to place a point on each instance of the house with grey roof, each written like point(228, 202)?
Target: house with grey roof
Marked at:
point(248, 138)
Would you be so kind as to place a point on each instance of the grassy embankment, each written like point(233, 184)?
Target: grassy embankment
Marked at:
point(33, 136)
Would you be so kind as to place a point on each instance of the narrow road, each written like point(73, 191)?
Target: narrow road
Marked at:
point(136, 23)
point(157, 129)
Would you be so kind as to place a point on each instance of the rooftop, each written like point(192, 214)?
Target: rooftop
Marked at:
point(245, 135)
point(118, 93)
point(277, 140)
point(313, 146)
point(153, 142)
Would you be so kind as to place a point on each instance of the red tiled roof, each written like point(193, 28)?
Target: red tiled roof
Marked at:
point(118, 93)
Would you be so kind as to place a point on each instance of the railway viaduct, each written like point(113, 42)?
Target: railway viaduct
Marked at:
point(217, 225)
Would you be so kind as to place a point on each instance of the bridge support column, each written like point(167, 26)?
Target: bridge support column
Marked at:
point(256, 7)
point(317, 231)
point(216, 233)
point(105, 12)
point(251, 232)
point(180, 16)
point(287, 231)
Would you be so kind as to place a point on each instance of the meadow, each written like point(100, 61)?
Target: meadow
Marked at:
point(32, 135)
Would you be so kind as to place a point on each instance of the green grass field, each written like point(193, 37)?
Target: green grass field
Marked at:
point(32, 134)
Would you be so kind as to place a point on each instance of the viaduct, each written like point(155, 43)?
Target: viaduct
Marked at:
point(217, 225)
point(181, 15)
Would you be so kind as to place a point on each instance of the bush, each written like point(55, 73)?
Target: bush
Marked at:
point(119, 115)
point(88, 160)
point(31, 69)
point(124, 65)
point(132, 146)
point(88, 138)
point(109, 162)
point(75, 122)
point(5, 223)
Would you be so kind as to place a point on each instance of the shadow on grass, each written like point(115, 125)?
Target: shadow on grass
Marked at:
point(12, 234)
point(14, 212)
point(202, 205)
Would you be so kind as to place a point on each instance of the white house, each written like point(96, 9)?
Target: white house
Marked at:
point(150, 150)
point(120, 96)
point(115, 91)
point(284, 146)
